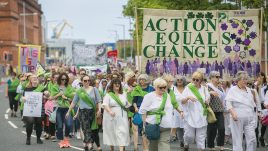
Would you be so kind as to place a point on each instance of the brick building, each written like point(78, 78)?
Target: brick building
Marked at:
point(12, 28)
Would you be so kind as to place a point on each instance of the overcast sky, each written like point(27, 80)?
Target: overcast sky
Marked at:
point(92, 20)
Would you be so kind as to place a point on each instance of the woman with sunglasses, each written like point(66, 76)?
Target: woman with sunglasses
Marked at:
point(63, 93)
point(88, 100)
point(241, 105)
point(195, 126)
point(177, 131)
point(115, 117)
point(156, 108)
point(217, 105)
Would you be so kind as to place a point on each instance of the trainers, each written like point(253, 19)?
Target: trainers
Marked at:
point(66, 143)
point(39, 141)
point(78, 135)
point(61, 144)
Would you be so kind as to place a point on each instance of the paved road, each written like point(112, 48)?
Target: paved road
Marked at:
point(13, 136)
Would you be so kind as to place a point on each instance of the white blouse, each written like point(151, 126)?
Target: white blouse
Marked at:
point(152, 102)
point(193, 111)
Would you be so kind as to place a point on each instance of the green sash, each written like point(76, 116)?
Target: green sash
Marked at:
point(173, 99)
point(118, 101)
point(69, 93)
point(101, 93)
point(24, 85)
point(13, 86)
point(137, 91)
point(160, 112)
point(195, 91)
point(82, 94)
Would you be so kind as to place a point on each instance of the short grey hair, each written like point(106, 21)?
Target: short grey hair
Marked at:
point(144, 76)
point(240, 75)
point(213, 74)
point(177, 77)
point(159, 82)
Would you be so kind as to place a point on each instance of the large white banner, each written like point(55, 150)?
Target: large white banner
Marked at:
point(33, 104)
point(180, 41)
point(89, 55)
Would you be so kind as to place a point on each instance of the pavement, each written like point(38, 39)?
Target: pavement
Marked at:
point(13, 135)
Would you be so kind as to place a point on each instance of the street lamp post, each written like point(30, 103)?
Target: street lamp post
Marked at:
point(124, 38)
point(24, 14)
point(131, 35)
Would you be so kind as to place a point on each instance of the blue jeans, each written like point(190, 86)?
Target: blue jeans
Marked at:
point(60, 120)
point(76, 121)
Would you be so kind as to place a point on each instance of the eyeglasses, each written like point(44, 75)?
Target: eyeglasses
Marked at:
point(217, 77)
point(179, 80)
point(196, 80)
point(63, 79)
point(85, 81)
point(117, 83)
point(164, 87)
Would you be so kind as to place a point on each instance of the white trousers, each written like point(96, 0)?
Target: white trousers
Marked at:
point(199, 134)
point(247, 126)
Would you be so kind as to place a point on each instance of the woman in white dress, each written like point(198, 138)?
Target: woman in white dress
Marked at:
point(195, 126)
point(115, 118)
point(241, 105)
point(179, 86)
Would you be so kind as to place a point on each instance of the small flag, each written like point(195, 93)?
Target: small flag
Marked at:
point(39, 69)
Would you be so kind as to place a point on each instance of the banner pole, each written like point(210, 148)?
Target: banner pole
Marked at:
point(137, 38)
point(261, 40)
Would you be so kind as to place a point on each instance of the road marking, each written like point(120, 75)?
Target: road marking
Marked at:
point(77, 148)
point(13, 125)
point(6, 116)
point(7, 110)
point(226, 148)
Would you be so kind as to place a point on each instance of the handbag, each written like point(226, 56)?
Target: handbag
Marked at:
point(264, 120)
point(137, 119)
point(52, 117)
point(152, 131)
point(211, 118)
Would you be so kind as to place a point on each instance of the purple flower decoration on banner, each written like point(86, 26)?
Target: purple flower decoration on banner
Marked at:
point(238, 41)
point(249, 23)
point(224, 26)
point(228, 49)
point(233, 36)
point(236, 48)
point(247, 42)
point(252, 52)
point(234, 25)
point(240, 31)
point(253, 35)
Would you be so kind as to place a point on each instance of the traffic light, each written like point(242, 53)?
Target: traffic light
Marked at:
point(5, 56)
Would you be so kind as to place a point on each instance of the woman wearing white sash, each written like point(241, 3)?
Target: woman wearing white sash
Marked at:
point(195, 126)
point(240, 103)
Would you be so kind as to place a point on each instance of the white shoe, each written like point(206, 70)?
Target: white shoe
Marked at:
point(78, 135)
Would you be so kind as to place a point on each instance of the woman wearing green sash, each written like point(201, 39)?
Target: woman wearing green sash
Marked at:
point(115, 117)
point(31, 121)
point(138, 93)
point(63, 93)
point(195, 126)
point(156, 109)
point(12, 85)
point(88, 100)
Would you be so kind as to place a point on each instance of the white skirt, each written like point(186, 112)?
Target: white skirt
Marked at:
point(177, 120)
point(116, 129)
